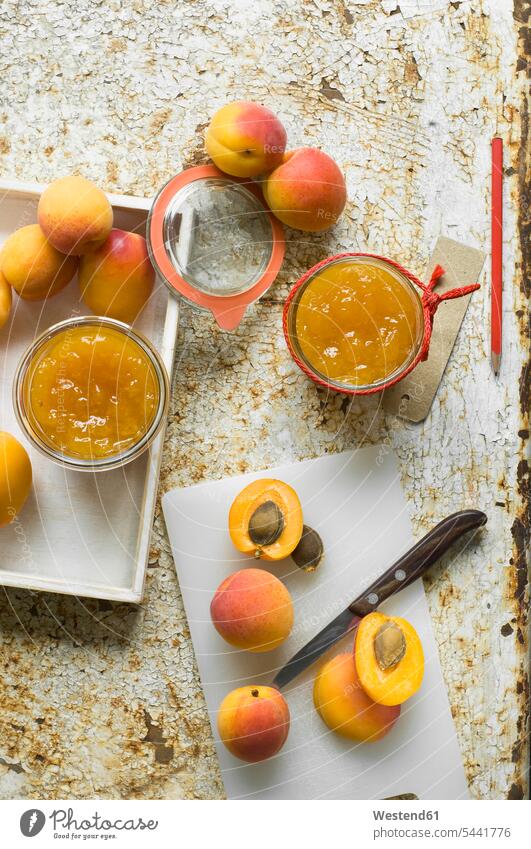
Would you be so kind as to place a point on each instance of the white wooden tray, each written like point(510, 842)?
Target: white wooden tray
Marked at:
point(79, 533)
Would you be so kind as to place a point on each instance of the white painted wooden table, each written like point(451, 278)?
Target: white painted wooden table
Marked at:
point(97, 700)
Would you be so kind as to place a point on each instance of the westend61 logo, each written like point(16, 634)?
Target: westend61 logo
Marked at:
point(65, 825)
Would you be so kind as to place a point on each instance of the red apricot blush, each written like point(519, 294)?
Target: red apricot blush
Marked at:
point(117, 278)
point(307, 191)
point(253, 722)
point(252, 610)
point(245, 139)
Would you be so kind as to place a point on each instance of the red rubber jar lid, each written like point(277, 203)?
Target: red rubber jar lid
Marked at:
point(213, 240)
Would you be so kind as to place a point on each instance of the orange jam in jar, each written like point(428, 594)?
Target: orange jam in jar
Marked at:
point(91, 392)
point(357, 322)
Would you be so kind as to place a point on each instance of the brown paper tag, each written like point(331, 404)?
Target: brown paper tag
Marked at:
point(412, 397)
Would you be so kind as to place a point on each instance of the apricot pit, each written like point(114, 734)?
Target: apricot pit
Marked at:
point(308, 554)
point(266, 524)
point(389, 645)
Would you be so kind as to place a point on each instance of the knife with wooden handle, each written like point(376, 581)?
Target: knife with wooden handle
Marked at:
point(403, 572)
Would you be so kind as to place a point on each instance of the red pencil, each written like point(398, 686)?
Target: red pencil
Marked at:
point(496, 255)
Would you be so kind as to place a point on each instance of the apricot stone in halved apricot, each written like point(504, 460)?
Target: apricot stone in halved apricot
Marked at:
point(266, 524)
point(389, 658)
point(265, 519)
point(389, 645)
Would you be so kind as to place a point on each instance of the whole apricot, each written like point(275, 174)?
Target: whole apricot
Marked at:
point(252, 610)
point(15, 477)
point(307, 191)
point(33, 267)
point(253, 722)
point(345, 707)
point(117, 278)
point(389, 658)
point(6, 299)
point(75, 215)
point(245, 139)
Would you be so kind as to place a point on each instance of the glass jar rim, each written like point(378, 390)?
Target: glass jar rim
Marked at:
point(104, 463)
point(178, 207)
point(295, 349)
point(227, 309)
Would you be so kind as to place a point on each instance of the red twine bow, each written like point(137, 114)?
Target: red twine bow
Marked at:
point(431, 301)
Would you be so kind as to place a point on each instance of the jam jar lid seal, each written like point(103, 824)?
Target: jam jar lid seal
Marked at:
point(227, 309)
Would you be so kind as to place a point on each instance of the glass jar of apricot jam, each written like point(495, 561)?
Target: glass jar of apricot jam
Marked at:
point(91, 393)
point(355, 323)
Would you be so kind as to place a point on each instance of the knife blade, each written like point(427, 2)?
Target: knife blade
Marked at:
point(408, 568)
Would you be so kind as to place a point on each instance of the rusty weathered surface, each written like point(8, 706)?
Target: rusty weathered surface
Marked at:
point(521, 528)
point(103, 700)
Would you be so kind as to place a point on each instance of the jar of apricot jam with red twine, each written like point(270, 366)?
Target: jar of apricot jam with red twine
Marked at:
point(358, 323)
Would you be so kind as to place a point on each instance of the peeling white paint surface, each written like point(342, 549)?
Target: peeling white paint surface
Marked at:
point(103, 700)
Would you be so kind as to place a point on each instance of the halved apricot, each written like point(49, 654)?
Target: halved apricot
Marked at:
point(389, 658)
point(265, 519)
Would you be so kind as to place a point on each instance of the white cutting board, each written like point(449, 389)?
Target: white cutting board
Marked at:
point(356, 503)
